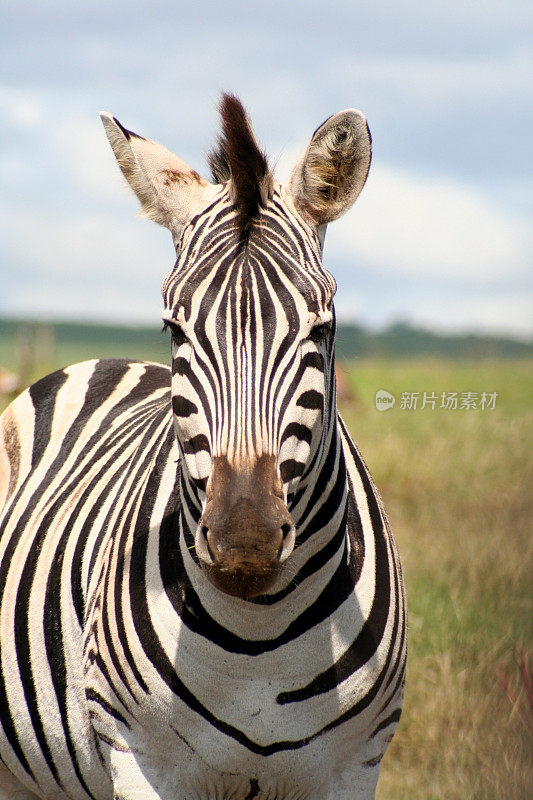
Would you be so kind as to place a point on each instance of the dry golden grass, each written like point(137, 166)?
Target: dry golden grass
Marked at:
point(457, 487)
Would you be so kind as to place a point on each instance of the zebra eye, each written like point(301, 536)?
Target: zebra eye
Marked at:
point(320, 332)
point(176, 332)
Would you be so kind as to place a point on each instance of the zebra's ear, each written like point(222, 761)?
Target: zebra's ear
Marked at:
point(169, 191)
point(333, 168)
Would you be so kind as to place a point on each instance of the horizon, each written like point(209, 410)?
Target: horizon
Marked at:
point(373, 330)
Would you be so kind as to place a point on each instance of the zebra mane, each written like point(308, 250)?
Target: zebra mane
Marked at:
point(238, 158)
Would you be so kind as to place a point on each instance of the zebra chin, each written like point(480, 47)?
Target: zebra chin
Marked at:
point(244, 581)
point(244, 562)
point(246, 532)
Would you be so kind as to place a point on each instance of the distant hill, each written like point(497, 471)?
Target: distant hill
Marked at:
point(405, 341)
point(54, 344)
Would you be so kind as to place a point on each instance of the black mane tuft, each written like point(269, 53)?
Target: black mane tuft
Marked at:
point(237, 157)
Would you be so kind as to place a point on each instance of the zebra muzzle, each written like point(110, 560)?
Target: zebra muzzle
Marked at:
point(246, 532)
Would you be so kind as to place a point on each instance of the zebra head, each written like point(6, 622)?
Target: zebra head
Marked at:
point(250, 311)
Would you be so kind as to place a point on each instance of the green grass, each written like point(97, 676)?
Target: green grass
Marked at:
point(457, 488)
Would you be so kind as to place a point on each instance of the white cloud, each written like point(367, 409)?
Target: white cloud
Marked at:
point(438, 229)
point(452, 258)
point(426, 82)
point(22, 109)
point(102, 266)
point(82, 145)
point(507, 312)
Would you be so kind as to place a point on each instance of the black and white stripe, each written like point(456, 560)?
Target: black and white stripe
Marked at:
point(125, 670)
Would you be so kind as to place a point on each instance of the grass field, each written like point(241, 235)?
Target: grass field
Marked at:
point(457, 487)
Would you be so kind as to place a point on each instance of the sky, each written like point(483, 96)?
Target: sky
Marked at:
point(441, 235)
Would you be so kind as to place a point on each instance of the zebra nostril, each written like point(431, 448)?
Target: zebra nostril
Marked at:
point(285, 530)
point(203, 545)
point(204, 530)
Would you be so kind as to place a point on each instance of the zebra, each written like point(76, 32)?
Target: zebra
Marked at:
point(200, 595)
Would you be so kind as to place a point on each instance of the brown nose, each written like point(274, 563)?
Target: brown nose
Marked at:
point(246, 531)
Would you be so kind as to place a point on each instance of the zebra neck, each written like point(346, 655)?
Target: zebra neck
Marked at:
point(309, 580)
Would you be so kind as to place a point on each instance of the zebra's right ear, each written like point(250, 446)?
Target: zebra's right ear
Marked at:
point(333, 168)
point(170, 192)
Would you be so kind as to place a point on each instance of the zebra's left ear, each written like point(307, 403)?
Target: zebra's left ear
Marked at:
point(169, 191)
point(333, 168)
